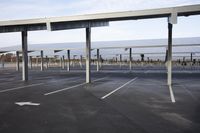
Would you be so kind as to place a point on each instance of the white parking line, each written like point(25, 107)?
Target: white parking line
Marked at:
point(64, 89)
point(118, 88)
point(21, 87)
point(53, 92)
point(171, 94)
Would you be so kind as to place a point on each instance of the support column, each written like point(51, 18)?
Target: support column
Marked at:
point(101, 61)
point(97, 60)
point(130, 58)
point(17, 60)
point(88, 55)
point(191, 57)
point(73, 61)
point(30, 60)
point(120, 61)
point(63, 64)
point(42, 63)
point(166, 55)
point(47, 62)
point(24, 55)
point(169, 63)
point(68, 63)
point(36, 61)
point(2, 61)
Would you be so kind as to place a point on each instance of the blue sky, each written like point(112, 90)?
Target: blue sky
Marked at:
point(124, 30)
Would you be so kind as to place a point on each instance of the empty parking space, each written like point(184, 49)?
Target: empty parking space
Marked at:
point(114, 102)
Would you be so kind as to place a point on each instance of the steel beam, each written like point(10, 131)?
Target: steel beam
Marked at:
point(47, 62)
point(31, 63)
point(63, 60)
point(78, 24)
point(120, 61)
point(42, 60)
point(130, 58)
point(97, 60)
point(69, 60)
point(53, 26)
point(24, 35)
point(88, 55)
point(101, 63)
point(17, 60)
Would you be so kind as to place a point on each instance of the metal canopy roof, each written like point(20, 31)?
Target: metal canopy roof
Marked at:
point(122, 44)
point(148, 46)
point(93, 20)
point(56, 50)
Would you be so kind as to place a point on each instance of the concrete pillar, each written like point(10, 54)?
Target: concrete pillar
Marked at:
point(63, 60)
point(68, 63)
point(17, 60)
point(31, 63)
point(42, 60)
point(97, 60)
point(120, 61)
point(169, 62)
point(130, 58)
point(24, 35)
point(88, 55)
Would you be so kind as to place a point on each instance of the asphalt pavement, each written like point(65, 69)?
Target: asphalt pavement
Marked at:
point(117, 101)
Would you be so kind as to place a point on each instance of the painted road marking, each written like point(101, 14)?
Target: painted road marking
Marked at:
point(21, 87)
point(118, 88)
point(171, 94)
point(64, 89)
point(27, 103)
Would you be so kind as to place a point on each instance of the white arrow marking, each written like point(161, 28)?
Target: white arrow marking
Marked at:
point(27, 103)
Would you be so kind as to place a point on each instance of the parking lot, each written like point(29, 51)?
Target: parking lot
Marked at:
point(116, 101)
